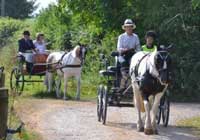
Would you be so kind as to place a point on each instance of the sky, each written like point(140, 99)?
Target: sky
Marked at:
point(43, 4)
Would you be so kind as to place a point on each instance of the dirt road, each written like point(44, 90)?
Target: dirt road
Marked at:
point(71, 120)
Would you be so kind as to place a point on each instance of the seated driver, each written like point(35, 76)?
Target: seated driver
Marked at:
point(26, 47)
point(128, 44)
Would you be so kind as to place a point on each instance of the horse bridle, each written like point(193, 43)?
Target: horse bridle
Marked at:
point(72, 66)
point(163, 59)
point(161, 69)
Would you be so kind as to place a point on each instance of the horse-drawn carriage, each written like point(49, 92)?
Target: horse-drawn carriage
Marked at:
point(64, 64)
point(108, 93)
point(26, 68)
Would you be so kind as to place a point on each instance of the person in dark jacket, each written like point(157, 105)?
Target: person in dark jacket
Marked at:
point(26, 44)
point(25, 51)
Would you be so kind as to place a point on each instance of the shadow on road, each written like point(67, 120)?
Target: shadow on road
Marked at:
point(165, 133)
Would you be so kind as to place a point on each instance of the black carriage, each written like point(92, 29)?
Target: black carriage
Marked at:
point(24, 68)
point(109, 93)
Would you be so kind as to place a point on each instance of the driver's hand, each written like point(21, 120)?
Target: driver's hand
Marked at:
point(124, 50)
point(36, 50)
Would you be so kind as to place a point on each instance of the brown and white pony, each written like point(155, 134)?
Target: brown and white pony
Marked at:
point(66, 65)
point(150, 76)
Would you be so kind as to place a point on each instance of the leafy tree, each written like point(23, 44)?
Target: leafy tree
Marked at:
point(19, 9)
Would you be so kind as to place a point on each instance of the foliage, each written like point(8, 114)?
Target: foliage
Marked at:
point(19, 9)
point(53, 23)
point(10, 31)
point(8, 27)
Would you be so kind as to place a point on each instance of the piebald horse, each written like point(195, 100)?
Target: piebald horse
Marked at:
point(66, 65)
point(150, 76)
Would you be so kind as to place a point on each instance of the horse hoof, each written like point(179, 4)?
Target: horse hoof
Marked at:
point(148, 131)
point(140, 129)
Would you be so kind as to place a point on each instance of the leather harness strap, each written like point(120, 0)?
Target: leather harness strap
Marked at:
point(66, 66)
point(137, 66)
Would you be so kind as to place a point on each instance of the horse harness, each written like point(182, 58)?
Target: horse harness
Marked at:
point(59, 64)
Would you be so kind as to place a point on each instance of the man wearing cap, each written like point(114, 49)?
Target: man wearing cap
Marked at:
point(26, 44)
point(128, 44)
point(25, 49)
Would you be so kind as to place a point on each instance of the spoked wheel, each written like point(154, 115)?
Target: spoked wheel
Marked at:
point(105, 103)
point(158, 115)
point(165, 110)
point(17, 81)
point(99, 102)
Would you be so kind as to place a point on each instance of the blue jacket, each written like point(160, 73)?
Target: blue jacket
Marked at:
point(25, 45)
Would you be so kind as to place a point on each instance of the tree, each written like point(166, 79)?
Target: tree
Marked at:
point(19, 9)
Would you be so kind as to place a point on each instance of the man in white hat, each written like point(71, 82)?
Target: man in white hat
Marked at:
point(128, 44)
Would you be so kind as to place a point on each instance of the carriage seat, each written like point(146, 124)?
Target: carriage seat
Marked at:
point(40, 58)
point(39, 65)
point(107, 73)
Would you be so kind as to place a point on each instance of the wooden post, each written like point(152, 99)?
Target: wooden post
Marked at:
point(3, 112)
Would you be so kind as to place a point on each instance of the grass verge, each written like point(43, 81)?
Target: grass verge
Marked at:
point(192, 123)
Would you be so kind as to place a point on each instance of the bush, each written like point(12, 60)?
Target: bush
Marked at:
point(8, 27)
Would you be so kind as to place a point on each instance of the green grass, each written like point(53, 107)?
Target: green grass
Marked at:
point(38, 90)
point(193, 124)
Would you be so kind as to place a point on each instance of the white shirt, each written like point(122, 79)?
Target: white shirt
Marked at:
point(41, 47)
point(128, 42)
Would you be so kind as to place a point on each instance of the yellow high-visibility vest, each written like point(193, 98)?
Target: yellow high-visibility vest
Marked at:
point(144, 48)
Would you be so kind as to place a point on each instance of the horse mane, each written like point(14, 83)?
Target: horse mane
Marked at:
point(152, 56)
point(152, 66)
point(75, 51)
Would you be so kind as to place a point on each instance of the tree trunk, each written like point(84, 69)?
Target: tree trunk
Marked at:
point(3, 112)
point(3, 8)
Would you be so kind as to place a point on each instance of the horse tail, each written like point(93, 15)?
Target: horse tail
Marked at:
point(49, 62)
point(141, 104)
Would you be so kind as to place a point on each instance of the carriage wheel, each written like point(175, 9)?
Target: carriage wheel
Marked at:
point(158, 115)
point(165, 110)
point(105, 103)
point(99, 102)
point(17, 81)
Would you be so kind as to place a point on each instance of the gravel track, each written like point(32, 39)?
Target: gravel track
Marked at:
point(71, 120)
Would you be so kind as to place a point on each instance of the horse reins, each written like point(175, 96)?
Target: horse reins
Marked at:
point(138, 64)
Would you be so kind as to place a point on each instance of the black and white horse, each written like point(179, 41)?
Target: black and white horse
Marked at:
point(150, 76)
point(70, 64)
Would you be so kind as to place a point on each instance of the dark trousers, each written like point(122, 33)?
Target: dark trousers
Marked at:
point(125, 69)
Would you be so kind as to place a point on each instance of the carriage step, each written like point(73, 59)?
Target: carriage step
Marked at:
point(106, 73)
point(114, 89)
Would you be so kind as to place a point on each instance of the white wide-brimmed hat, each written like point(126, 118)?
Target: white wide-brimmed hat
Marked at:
point(128, 22)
